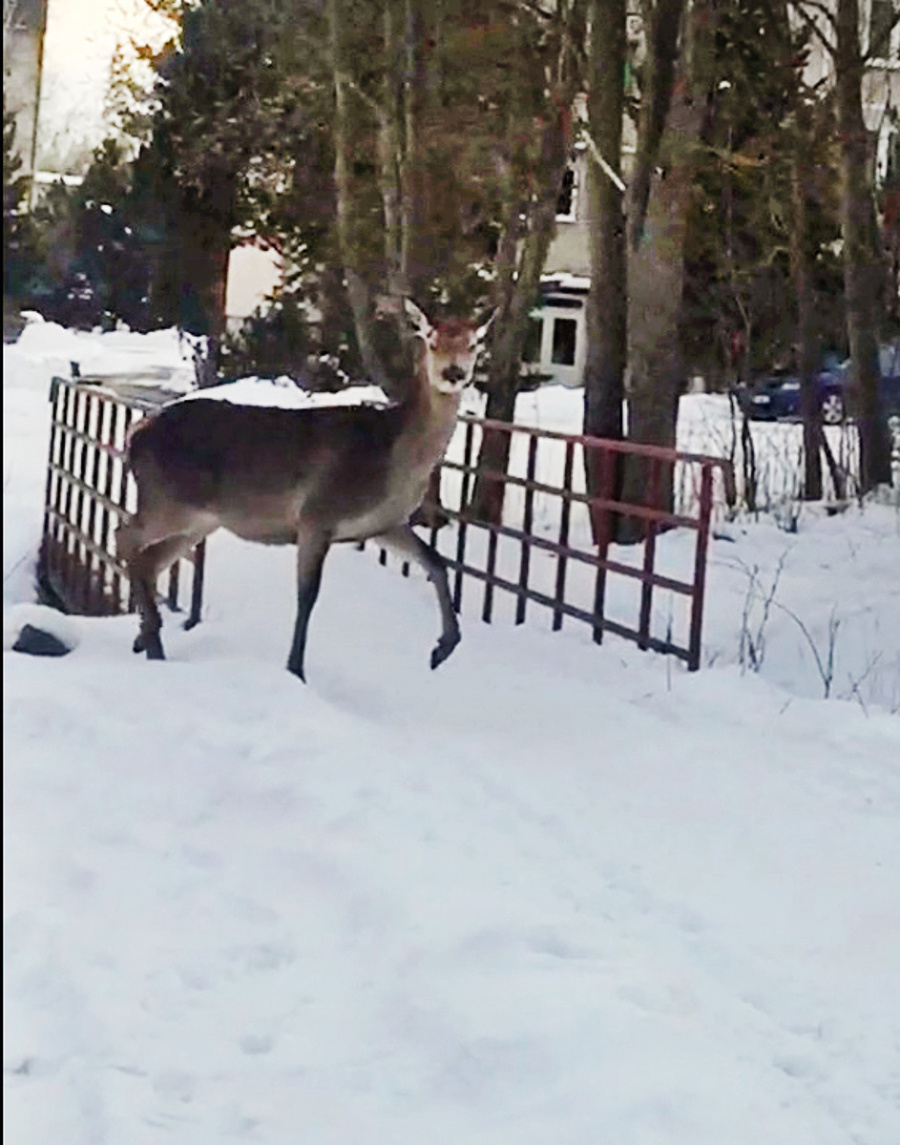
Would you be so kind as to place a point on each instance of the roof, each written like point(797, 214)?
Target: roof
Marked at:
point(565, 283)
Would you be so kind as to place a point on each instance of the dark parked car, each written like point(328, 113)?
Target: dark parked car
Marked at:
point(776, 397)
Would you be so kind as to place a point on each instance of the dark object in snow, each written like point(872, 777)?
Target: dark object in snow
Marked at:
point(37, 642)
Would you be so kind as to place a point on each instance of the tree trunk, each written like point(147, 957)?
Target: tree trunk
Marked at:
point(510, 328)
point(415, 274)
point(657, 86)
point(357, 291)
point(656, 278)
point(607, 302)
point(656, 284)
point(802, 271)
point(388, 159)
point(862, 269)
point(202, 235)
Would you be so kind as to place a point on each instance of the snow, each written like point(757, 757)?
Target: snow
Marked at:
point(284, 393)
point(45, 348)
point(550, 892)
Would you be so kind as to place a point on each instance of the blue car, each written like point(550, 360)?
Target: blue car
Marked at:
point(776, 397)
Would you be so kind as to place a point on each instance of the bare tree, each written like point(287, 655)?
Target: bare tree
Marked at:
point(607, 303)
point(528, 228)
point(863, 270)
point(674, 111)
point(838, 31)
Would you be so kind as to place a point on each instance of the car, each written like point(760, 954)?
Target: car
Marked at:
point(776, 396)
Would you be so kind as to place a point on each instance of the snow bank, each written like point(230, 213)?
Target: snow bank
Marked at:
point(45, 349)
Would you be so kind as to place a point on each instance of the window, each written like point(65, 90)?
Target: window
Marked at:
point(564, 334)
point(881, 21)
point(565, 204)
point(532, 351)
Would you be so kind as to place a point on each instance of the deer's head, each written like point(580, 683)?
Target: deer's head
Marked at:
point(451, 348)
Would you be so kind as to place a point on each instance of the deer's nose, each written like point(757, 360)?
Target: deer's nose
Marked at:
point(453, 373)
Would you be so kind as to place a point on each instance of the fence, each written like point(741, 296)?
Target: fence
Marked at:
point(553, 547)
point(88, 490)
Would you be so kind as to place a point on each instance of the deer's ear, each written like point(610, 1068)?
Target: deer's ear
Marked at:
point(418, 319)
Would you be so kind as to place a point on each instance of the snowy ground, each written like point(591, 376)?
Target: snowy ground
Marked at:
point(551, 892)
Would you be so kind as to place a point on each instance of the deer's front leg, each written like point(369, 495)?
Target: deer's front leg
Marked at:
point(312, 548)
point(409, 545)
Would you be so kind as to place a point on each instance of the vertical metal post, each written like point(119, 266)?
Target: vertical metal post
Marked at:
point(463, 509)
point(651, 528)
point(172, 595)
point(197, 586)
point(527, 525)
point(603, 517)
point(565, 513)
point(122, 498)
point(48, 555)
point(81, 571)
point(67, 561)
point(706, 490)
point(108, 492)
point(490, 570)
point(97, 578)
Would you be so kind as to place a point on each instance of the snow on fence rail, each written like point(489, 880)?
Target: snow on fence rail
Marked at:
point(553, 547)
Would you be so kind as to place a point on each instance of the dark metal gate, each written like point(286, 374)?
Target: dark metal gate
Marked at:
point(89, 489)
point(553, 548)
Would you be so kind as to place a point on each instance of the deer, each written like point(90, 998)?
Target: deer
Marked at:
point(311, 477)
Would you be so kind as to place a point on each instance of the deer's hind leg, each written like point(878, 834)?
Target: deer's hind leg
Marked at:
point(144, 567)
point(312, 548)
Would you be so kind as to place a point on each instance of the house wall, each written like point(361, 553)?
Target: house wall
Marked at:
point(562, 309)
point(569, 250)
point(21, 71)
point(254, 273)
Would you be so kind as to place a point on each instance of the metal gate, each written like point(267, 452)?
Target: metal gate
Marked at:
point(552, 546)
point(552, 549)
point(89, 489)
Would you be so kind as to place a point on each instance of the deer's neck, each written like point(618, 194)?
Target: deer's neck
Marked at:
point(430, 422)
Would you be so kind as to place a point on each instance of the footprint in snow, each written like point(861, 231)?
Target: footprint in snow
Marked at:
point(254, 1044)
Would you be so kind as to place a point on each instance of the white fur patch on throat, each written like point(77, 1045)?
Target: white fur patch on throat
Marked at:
point(448, 387)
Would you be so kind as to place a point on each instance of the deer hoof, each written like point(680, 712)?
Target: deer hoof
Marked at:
point(138, 645)
point(442, 650)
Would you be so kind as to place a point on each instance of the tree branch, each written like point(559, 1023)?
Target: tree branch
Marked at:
point(809, 23)
point(601, 162)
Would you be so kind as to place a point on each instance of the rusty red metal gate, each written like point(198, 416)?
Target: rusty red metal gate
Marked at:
point(88, 490)
point(521, 539)
point(553, 547)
